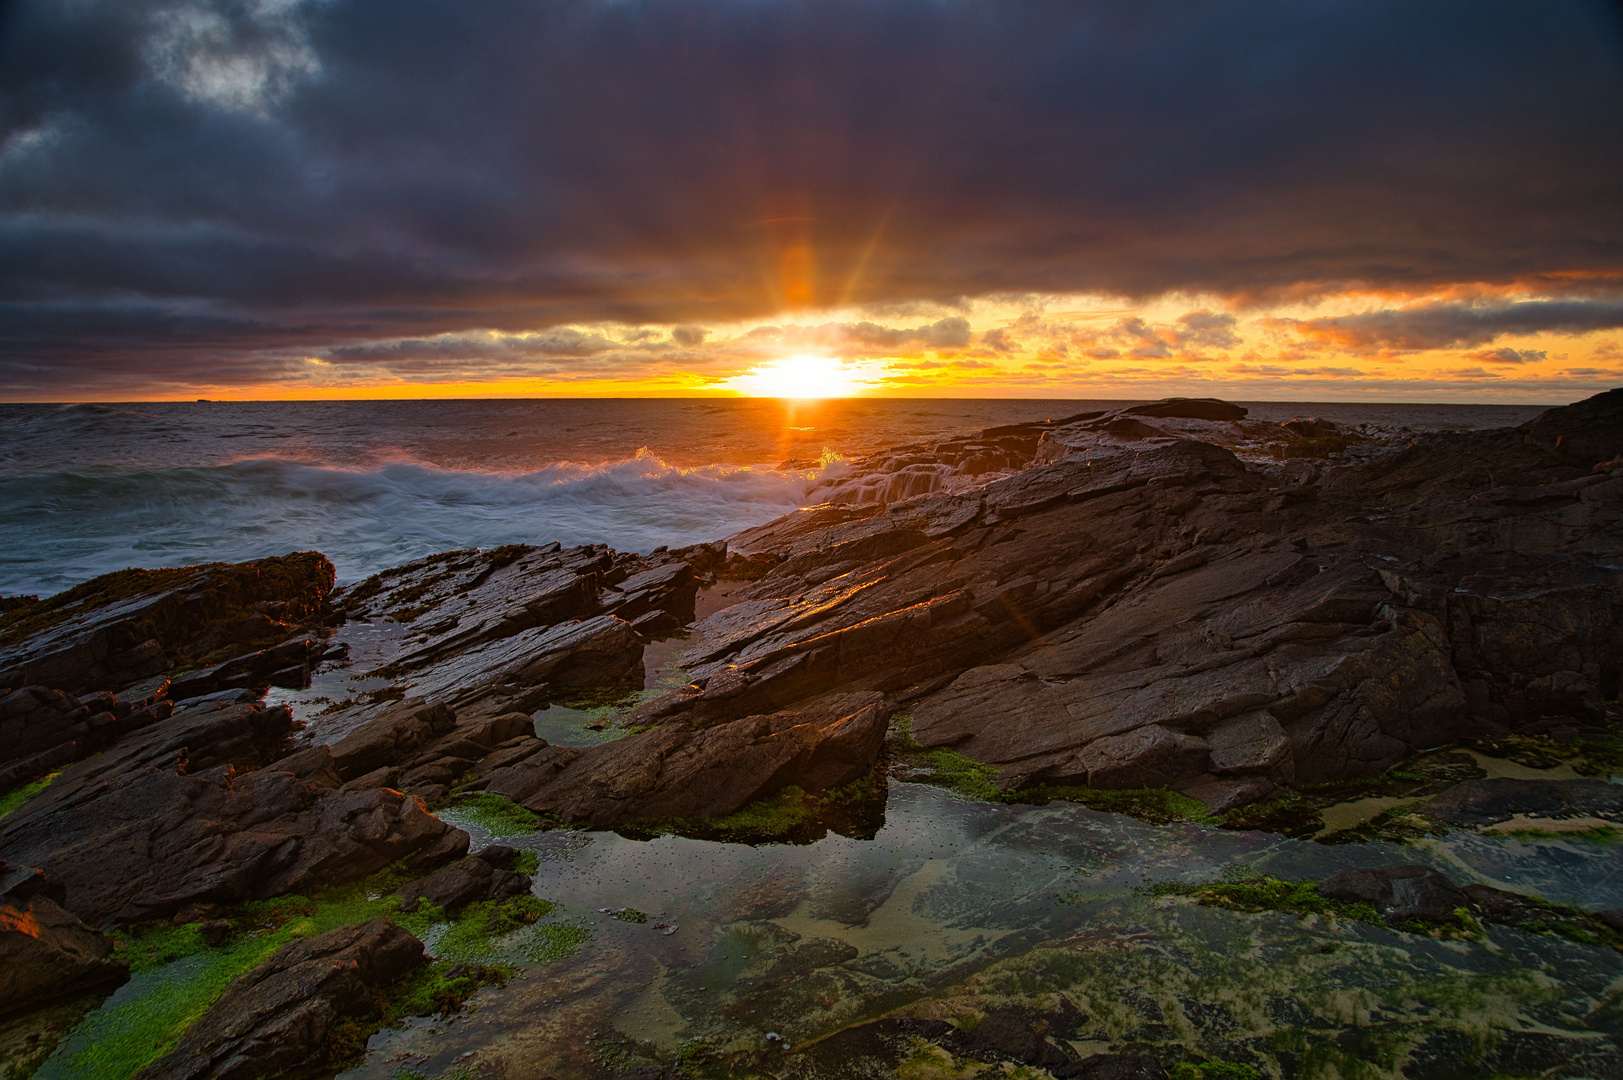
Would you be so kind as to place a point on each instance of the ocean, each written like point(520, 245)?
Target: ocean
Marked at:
point(90, 488)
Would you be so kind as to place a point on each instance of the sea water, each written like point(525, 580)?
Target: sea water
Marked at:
point(87, 489)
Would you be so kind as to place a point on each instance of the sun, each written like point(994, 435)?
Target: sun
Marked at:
point(806, 377)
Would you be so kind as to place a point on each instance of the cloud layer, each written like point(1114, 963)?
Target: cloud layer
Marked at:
point(204, 191)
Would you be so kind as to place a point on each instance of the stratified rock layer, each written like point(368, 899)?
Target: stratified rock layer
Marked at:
point(197, 811)
point(1146, 609)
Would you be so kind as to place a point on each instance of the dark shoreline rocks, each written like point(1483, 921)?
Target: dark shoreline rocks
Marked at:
point(45, 951)
point(1168, 595)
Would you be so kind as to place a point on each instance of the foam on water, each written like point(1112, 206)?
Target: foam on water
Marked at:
point(85, 489)
point(66, 527)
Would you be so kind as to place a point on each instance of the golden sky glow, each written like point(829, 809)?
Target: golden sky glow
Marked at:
point(1439, 346)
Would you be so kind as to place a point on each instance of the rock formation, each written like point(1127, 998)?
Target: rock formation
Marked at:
point(277, 1017)
point(46, 951)
point(1166, 595)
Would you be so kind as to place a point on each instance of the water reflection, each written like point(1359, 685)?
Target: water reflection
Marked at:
point(955, 907)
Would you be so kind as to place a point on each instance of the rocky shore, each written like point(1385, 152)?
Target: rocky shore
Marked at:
point(1168, 600)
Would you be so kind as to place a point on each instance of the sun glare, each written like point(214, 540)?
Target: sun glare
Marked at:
point(805, 378)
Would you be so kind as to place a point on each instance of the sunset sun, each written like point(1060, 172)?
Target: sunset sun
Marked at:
point(806, 377)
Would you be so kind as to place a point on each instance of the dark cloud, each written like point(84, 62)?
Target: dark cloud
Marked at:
point(1510, 356)
point(185, 181)
point(1440, 326)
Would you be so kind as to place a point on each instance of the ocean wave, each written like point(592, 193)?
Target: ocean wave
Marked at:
point(66, 527)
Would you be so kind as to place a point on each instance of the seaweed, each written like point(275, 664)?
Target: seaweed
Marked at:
point(496, 814)
point(791, 816)
point(946, 768)
point(1263, 892)
point(177, 976)
point(19, 795)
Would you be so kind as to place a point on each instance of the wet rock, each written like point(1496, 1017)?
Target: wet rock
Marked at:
point(128, 626)
point(45, 951)
point(287, 664)
point(478, 877)
point(278, 1016)
point(676, 771)
point(1006, 1035)
point(600, 650)
point(1113, 1067)
point(190, 812)
point(391, 739)
point(1150, 756)
point(1399, 893)
point(43, 729)
point(1475, 803)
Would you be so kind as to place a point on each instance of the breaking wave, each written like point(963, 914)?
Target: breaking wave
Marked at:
point(66, 527)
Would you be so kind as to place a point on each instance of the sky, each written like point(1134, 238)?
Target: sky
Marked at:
point(1331, 200)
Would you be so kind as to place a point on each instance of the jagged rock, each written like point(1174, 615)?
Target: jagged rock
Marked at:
point(1112, 614)
point(600, 650)
point(676, 771)
point(391, 739)
point(192, 811)
point(43, 729)
point(1399, 893)
point(123, 627)
point(477, 877)
point(1475, 803)
point(287, 664)
point(45, 951)
point(1585, 433)
point(278, 1016)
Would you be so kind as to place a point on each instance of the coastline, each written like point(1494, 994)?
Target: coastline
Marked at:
point(1171, 610)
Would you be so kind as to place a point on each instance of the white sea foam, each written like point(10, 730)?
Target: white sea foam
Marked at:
point(66, 527)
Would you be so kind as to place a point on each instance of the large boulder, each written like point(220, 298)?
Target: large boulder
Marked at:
point(1584, 433)
point(675, 771)
point(278, 1016)
point(46, 951)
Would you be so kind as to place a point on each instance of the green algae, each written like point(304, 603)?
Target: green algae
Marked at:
point(1214, 1070)
point(19, 795)
point(496, 814)
point(176, 976)
point(1311, 999)
point(946, 768)
point(1301, 898)
point(791, 816)
point(1396, 824)
point(1601, 835)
